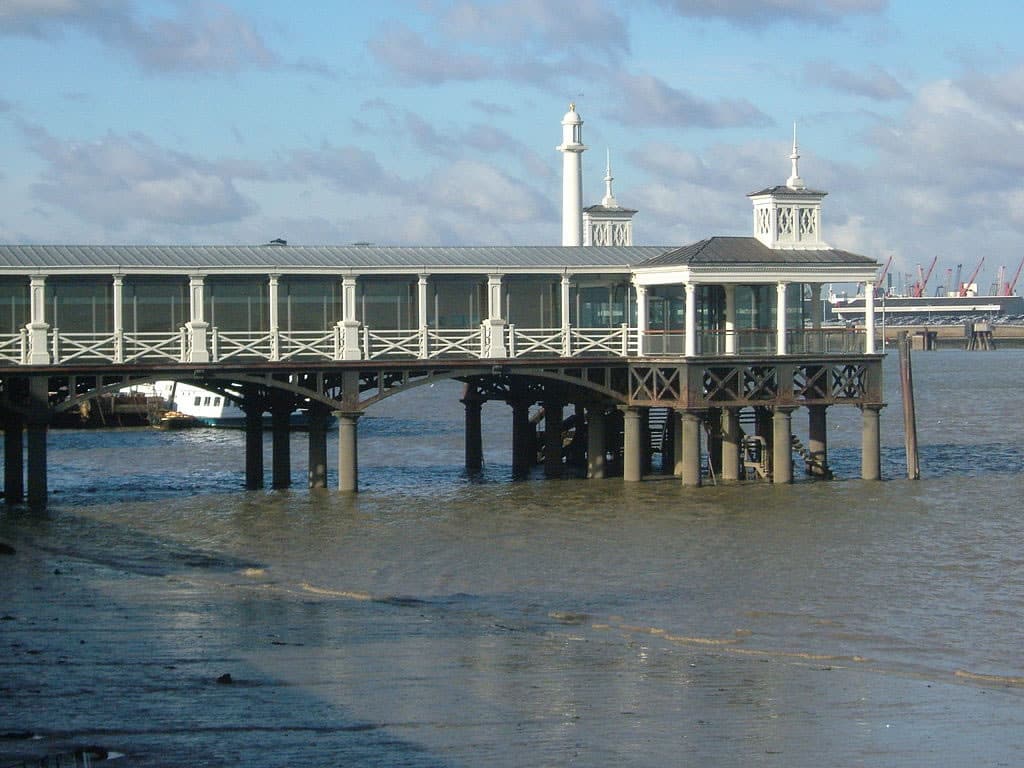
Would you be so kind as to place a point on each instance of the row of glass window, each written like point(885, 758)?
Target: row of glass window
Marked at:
point(161, 305)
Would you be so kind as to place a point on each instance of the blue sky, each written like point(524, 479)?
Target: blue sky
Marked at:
point(434, 122)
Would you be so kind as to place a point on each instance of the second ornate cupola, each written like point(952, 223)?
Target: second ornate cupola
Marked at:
point(789, 216)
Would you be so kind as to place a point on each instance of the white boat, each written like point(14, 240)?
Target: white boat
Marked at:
point(202, 407)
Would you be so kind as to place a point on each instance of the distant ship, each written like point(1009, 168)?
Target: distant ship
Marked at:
point(929, 307)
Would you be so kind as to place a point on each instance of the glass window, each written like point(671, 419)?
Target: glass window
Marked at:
point(533, 302)
point(238, 303)
point(15, 306)
point(458, 302)
point(387, 303)
point(80, 304)
point(308, 303)
point(155, 304)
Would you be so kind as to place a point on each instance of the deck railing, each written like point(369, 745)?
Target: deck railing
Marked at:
point(416, 344)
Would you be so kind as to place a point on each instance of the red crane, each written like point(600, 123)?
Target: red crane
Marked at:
point(965, 287)
point(919, 287)
point(1010, 286)
point(881, 278)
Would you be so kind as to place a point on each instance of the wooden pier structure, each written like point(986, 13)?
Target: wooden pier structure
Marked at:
point(721, 338)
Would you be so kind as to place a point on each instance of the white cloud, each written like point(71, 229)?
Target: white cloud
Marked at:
point(118, 179)
point(202, 37)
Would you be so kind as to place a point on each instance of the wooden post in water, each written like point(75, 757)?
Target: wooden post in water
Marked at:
point(909, 414)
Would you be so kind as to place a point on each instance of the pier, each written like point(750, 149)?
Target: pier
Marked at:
point(719, 343)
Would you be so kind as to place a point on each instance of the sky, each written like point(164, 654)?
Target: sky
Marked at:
point(435, 122)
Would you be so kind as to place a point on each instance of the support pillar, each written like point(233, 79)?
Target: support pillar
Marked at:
point(348, 451)
point(552, 438)
point(38, 424)
point(715, 442)
point(731, 466)
point(474, 438)
point(281, 407)
point(596, 443)
point(632, 457)
point(14, 458)
point(317, 472)
point(817, 441)
point(690, 334)
point(677, 443)
point(730, 319)
point(782, 445)
point(871, 443)
point(668, 444)
point(780, 319)
point(524, 449)
point(869, 319)
point(690, 429)
point(253, 407)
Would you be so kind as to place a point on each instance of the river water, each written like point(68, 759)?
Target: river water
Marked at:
point(437, 620)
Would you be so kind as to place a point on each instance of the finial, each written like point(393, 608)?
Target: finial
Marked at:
point(572, 106)
point(609, 199)
point(794, 181)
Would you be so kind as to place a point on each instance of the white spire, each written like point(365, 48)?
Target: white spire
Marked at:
point(794, 181)
point(609, 200)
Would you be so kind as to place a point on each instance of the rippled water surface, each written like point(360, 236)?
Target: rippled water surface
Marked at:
point(438, 620)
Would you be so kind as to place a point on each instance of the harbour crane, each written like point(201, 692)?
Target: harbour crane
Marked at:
point(922, 279)
point(1012, 285)
point(965, 287)
point(881, 277)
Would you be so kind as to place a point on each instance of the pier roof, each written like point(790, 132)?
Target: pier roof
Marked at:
point(19, 258)
point(749, 250)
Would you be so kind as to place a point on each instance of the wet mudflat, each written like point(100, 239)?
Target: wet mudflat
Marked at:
point(437, 621)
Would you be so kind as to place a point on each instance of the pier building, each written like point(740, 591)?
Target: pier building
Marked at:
point(714, 344)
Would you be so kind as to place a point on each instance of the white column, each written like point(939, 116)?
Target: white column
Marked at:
point(199, 351)
point(348, 325)
point(494, 325)
point(421, 311)
point(118, 299)
point(641, 318)
point(869, 318)
point(780, 318)
point(566, 336)
point(690, 347)
point(275, 319)
point(730, 319)
point(38, 351)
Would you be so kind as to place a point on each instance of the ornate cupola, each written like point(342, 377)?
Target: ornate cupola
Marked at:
point(789, 216)
point(608, 223)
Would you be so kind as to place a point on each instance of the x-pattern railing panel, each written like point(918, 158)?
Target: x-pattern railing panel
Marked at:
point(306, 344)
point(228, 344)
point(587, 341)
point(83, 346)
point(399, 343)
point(532, 341)
point(154, 345)
point(460, 342)
point(14, 348)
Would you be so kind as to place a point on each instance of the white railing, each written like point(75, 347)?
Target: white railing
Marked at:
point(524, 342)
point(419, 344)
point(135, 347)
point(227, 344)
point(305, 344)
point(65, 347)
point(619, 341)
point(14, 348)
point(391, 343)
point(456, 343)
